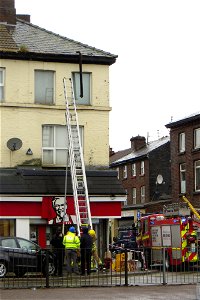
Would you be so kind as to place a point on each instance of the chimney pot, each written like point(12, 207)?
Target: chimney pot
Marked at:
point(138, 142)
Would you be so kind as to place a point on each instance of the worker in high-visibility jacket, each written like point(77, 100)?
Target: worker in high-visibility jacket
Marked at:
point(72, 247)
point(95, 258)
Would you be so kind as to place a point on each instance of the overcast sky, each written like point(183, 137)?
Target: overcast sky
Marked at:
point(157, 73)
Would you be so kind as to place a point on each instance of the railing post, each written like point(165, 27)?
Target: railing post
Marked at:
point(47, 269)
point(126, 268)
point(164, 267)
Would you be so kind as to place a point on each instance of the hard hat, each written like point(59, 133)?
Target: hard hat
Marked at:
point(92, 232)
point(72, 229)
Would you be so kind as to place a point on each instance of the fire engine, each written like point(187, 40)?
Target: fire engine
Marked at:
point(171, 238)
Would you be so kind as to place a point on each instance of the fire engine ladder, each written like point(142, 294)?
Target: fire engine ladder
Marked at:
point(77, 166)
point(191, 207)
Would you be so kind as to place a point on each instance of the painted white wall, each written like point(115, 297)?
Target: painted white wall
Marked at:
point(22, 228)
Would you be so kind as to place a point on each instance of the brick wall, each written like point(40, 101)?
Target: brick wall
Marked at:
point(188, 157)
point(7, 11)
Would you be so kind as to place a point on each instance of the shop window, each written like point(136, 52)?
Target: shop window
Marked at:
point(7, 227)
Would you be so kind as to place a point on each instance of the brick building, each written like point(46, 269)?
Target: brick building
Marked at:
point(144, 171)
point(185, 158)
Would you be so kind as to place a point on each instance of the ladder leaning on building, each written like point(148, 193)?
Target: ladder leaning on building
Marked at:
point(76, 161)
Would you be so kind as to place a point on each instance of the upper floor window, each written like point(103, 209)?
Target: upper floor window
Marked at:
point(197, 175)
point(134, 169)
point(117, 169)
point(134, 196)
point(142, 194)
point(182, 178)
point(125, 171)
point(44, 87)
point(197, 138)
point(126, 201)
point(55, 144)
point(142, 168)
point(85, 100)
point(2, 83)
point(182, 142)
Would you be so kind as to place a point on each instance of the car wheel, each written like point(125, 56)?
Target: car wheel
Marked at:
point(3, 269)
point(20, 272)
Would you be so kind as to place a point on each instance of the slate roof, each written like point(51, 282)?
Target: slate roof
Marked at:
point(119, 154)
point(36, 40)
point(188, 119)
point(142, 152)
point(52, 182)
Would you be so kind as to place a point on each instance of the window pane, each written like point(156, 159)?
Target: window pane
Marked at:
point(47, 136)
point(1, 76)
point(48, 157)
point(197, 175)
point(1, 84)
point(197, 138)
point(134, 195)
point(1, 93)
point(61, 137)
point(182, 142)
point(61, 157)
point(142, 168)
point(182, 177)
point(54, 143)
point(44, 87)
point(86, 88)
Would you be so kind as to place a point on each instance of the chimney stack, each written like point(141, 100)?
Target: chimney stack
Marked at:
point(7, 12)
point(138, 142)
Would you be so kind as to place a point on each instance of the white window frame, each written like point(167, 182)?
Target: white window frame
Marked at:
point(182, 142)
point(182, 169)
point(86, 99)
point(48, 91)
point(134, 195)
point(125, 171)
point(2, 85)
point(54, 148)
point(197, 138)
point(142, 167)
point(142, 194)
point(133, 169)
point(197, 175)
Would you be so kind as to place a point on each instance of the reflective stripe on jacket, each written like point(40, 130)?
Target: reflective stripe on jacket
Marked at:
point(71, 241)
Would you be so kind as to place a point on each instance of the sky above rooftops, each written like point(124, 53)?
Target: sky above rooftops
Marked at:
point(156, 77)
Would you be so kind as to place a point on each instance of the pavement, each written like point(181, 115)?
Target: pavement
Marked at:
point(150, 292)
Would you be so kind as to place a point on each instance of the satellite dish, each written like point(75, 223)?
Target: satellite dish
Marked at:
point(14, 144)
point(159, 179)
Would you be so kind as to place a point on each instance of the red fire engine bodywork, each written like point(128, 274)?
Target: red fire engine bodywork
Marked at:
point(177, 236)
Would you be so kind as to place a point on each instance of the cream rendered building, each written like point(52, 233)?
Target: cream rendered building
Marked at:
point(22, 118)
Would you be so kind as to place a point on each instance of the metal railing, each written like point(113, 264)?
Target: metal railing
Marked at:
point(123, 267)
